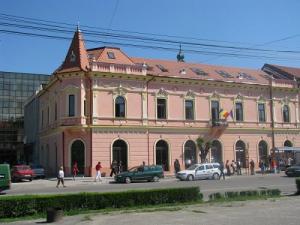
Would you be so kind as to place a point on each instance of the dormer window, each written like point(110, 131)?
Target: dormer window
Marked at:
point(111, 55)
point(72, 57)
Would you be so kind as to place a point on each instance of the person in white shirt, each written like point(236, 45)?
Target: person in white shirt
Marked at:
point(60, 177)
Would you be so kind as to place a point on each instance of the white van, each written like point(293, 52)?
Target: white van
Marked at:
point(200, 171)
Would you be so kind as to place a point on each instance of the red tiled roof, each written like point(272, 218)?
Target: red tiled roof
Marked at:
point(77, 57)
point(290, 70)
point(184, 70)
point(101, 55)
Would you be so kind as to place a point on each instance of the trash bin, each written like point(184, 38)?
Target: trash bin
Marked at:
point(54, 214)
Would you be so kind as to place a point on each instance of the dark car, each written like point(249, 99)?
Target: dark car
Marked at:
point(38, 171)
point(21, 172)
point(293, 171)
point(141, 173)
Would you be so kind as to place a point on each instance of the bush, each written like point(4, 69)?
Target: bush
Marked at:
point(231, 194)
point(298, 186)
point(216, 196)
point(17, 206)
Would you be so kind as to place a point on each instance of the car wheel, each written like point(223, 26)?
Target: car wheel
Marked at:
point(30, 179)
point(127, 180)
point(216, 176)
point(190, 178)
point(155, 179)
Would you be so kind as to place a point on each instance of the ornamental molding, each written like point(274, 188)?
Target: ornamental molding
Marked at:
point(285, 101)
point(162, 93)
point(215, 95)
point(120, 91)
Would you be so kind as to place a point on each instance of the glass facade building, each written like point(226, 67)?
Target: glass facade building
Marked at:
point(15, 89)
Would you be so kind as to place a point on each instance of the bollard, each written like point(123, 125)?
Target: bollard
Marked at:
point(54, 215)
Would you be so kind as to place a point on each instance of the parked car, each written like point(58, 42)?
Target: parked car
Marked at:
point(38, 171)
point(200, 171)
point(5, 180)
point(20, 172)
point(141, 173)
point(293, 171)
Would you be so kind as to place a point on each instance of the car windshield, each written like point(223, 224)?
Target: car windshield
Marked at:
point(192, 167)
point(133, 169)
point(23, 168)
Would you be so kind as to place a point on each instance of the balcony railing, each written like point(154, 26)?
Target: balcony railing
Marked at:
point(219, 123)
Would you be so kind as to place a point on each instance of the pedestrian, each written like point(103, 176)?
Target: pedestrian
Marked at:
point(176, 166)
point(98, 172)
point(222, 170)
point(239, 167)
point(228, 168)
point(75, 170)
point(252, 166)
point(188, 163)
point(233, 166)
point(60, 177)
point(262, 167)
point(114, 168)
point(120, 167)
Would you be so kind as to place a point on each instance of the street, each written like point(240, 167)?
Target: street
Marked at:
point(87, 184)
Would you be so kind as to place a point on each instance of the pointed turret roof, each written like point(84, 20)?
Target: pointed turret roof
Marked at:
point(77, 57)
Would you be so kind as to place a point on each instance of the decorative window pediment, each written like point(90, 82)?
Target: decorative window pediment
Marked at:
point(239, 98)
point(215, 95)
point(120, 91)
point(190, 95)
point(285, 101)
point(261, 99)
point(162, 93)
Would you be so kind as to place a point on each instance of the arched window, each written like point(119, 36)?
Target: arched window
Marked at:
point(190, 156)
point(78, 155)
point(286, 114)
point(216, 151)
point(263, 151)
point(288, 143)
point(119, 154)
point(162, 154)
point(120, 107)
point(240, 152)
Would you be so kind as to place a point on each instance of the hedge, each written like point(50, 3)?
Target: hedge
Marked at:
point(17, 206)
point(239, 195)
point(298, 186)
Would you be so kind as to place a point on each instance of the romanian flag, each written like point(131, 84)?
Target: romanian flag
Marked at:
point(224, 114)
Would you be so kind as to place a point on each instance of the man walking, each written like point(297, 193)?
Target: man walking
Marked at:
point(98, 172)
point(222, 170)
point(60, 177)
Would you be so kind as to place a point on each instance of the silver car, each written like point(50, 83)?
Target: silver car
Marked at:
point(200, 171)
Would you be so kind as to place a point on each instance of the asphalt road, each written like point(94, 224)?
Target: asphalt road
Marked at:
point(285, 184)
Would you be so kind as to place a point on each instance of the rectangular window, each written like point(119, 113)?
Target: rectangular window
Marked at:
point(71, 105)
point(239, 111)
point(55, 111)
point(215, 111)
point(189, 109)
point(42, 118)
point(84, 107)
point(48, 115)
point(161, 108)
point(261, 112)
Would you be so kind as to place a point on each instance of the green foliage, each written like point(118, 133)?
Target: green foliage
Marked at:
point(298, 186)
point(244, 195)
point(204, 147)
point(18, 206)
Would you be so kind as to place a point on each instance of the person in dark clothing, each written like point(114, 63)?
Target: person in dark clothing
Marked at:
point(114, 168)
point(252, 166)
point(227, 165)
point(176, 166)
point(222, 170)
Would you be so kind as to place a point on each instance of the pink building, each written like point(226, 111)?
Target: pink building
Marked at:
point(102, 105)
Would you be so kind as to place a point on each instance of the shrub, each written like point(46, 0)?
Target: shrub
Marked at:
point(17, 206)
point(298, 186)
point(231, 194)
point(216, 196)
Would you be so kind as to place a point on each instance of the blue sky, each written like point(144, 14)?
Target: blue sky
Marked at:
point(242, 23)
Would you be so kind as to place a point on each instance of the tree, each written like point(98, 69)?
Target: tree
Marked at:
point(204, 147)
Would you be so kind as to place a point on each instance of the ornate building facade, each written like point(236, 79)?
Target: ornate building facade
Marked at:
point(102, 105)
